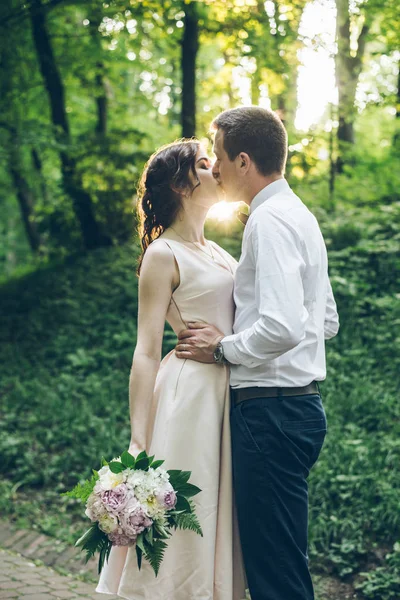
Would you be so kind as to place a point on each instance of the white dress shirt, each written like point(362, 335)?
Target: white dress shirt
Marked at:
point(285, 308)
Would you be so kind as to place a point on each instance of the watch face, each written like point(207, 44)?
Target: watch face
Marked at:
point(218, 353)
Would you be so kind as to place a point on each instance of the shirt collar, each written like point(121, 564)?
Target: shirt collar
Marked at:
point(280, 185)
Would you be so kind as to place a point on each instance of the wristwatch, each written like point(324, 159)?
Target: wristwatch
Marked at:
point(219, 357)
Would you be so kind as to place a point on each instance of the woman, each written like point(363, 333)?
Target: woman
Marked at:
point(180, 408)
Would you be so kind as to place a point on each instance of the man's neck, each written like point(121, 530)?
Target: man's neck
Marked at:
point(259, 183)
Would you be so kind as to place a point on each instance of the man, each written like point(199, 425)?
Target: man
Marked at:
point(284, 311)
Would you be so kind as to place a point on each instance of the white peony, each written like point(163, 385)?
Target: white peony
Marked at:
point(109, 480)
point(153, 508)
point(108, 523)
point(94, 507)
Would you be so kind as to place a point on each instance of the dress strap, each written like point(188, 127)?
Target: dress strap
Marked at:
point(175, 248)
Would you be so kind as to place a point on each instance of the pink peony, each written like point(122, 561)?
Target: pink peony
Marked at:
point(115, 499)
point(170, 499)
point(134, 520)
point(167, 497)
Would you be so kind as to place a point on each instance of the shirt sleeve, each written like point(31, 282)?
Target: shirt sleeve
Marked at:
point(331, 324)
point(279, 265)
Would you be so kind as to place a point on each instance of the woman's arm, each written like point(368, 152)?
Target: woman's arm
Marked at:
point(158, 279)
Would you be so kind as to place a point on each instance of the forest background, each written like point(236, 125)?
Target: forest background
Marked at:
point(88, 90)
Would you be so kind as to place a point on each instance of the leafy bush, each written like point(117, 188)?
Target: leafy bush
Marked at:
point(383, 583)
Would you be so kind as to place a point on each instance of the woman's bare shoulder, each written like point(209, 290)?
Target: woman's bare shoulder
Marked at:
point(158, 255)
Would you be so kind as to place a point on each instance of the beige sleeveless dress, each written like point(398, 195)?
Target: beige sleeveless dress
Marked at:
point(191, 432)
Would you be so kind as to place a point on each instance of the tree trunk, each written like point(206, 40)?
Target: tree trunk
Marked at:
point(101, 102)
point(82, 202)
point(190, 46)
point(396, 136)
point(101, 89)
point(37, 163)
point(348, 69)
point(25, 198)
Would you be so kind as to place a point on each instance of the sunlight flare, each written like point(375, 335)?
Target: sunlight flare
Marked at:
point(223, 211)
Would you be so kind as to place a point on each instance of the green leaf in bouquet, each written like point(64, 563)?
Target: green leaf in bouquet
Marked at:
point(143, 454)
point(104, 554)
point(155, 554)
point(183, 504)
point(82, 491)
point(142, 464)
point(128, 460)
point(148, 535)
point(178, 478)
point(161, 531)
point(143, 461)
point(157, 463)
point(139, 555)
point(95, 540)
point(116, 467)
point(140, 542)
point(189, 490)
point(104, 462)
point(184, 520)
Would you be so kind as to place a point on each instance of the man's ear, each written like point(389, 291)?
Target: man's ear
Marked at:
point(244, 162)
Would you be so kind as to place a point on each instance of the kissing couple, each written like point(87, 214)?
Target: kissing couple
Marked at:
point(237, 401)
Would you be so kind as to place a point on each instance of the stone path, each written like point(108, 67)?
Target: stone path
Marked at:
point(62, 557)
point(34, 566)
point(22, 579)
point(25, 573)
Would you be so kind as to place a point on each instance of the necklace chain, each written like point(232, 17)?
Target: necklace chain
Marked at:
point(195, 244)
point(201, 250)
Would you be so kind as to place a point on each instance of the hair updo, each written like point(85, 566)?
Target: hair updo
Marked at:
point(165, 177)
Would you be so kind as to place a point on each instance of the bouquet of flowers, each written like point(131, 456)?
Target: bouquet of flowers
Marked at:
point(134, 502)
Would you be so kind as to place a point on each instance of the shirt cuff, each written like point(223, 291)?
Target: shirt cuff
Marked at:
point(230, 352)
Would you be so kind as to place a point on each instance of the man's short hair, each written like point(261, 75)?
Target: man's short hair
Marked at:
point(256, 131)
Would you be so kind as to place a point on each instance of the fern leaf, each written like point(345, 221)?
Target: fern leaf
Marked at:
point(184, 520)
point(92, 541)
point(155, 554)
point(82, 491)
point(104, 554)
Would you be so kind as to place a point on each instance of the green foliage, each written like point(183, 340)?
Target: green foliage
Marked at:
point(121, 71)
point(354, 487)
point(383, 583)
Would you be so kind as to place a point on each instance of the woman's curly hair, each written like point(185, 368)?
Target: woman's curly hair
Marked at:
point(165, 177)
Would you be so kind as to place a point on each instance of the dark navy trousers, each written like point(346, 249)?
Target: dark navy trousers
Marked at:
point(275, 442)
